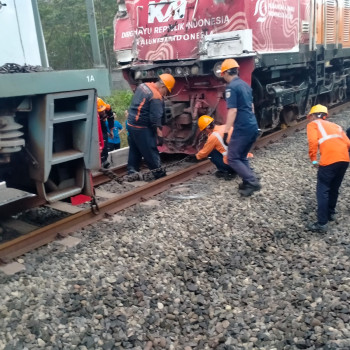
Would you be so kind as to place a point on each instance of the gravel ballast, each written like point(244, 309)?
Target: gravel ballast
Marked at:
point(216, 272)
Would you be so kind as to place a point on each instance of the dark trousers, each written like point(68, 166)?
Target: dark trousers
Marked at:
point(217, 158)
point(104, 153)
point(329, 179)
point(143, 144)
point(113, 146)
point(238, 149)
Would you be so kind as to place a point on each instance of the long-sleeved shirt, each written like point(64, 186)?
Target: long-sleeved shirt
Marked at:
point(117, 127)
point(330, 139)
point(215, 141)
point(147, 107)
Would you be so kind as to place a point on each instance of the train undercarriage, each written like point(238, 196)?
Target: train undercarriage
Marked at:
point(282, 94)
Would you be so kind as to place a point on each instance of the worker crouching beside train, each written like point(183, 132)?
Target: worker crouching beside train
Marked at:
point(330, 139)
point(240, 115)
point(145, 124)
point(215, 147)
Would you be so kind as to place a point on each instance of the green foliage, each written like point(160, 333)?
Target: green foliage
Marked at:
point(67, 35)
point(120, 102)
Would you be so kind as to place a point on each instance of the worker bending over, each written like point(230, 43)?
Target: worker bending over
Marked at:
point(330, 139)
point(215, 147)
point(145, 124)
point(240, 115)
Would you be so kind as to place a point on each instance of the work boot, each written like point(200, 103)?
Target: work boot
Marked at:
point(242, 185)
point(219, 174)
point(158, 174)
point(249, 189)
point(106, 164)
point(332, 217)
point(316, 227)
point(227, 175)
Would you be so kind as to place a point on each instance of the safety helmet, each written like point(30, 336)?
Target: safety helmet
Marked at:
point(229, 63)
point(101, 105)
point(168, 80)
point(204, 121)
point(321, 111)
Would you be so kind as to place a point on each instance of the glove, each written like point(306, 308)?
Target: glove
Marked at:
point(225, 138)
point(192, 158)
point(315, 163)
point(160, 141)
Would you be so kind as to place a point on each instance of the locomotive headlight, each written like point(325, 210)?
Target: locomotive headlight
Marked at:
point(194, 70)
point(160, 71)
point(150, 73)
point(168, 70)
point(179, 71)
point(217, 69)
point(144, 74)
point(186, 71)
point(137, 75)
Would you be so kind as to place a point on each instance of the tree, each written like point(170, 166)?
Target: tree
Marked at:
point(67, 36)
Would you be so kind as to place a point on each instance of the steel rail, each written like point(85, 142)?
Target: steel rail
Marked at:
point(42, 236)
point(37, 238)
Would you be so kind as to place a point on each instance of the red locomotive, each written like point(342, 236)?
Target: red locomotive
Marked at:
point(293, 53)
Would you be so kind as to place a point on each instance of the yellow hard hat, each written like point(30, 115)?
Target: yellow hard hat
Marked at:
point(229, 63)
point(204, 121)
point(168, 80)
point(318, 109)
point(101, 105)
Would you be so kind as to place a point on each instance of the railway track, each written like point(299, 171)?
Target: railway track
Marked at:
point(41, 236)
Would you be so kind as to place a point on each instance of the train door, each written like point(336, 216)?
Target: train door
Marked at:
point(327, 23)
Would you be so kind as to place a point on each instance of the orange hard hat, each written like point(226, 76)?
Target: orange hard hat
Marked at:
point(204, 121)
point(101, 105)
point(168, 80)
point(228, 64)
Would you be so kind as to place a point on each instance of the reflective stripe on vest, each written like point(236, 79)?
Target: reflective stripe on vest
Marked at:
point(218, 136)
point(325, 136)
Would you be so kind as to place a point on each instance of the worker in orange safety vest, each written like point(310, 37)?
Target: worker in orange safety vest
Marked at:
point(215, 147)
point(333, 145)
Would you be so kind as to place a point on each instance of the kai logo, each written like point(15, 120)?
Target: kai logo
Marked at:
point(279, 9)
point(163, 11)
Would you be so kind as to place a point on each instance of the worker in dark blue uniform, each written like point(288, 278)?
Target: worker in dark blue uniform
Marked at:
point(241, 116)
point(145, 124)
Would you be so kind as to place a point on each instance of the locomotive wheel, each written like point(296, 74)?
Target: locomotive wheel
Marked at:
point(341, 94)
point(288, 117)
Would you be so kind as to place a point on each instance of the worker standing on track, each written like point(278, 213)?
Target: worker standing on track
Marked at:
point(215, 147)
point(106, 116)
point(330, 139)
point(145, 124)
point(241, 116)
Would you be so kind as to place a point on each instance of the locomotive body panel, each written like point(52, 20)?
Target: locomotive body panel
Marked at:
point(172, 30)
point(18, 35)
point(48, 119)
